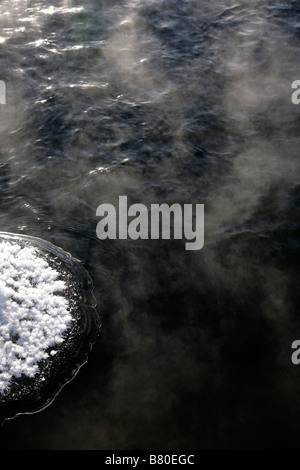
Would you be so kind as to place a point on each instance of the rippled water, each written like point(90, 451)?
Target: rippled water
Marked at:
point(183, 101)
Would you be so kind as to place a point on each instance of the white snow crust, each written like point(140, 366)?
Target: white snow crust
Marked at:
point(34, 316)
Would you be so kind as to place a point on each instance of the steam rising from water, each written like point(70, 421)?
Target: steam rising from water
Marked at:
point(187, 102)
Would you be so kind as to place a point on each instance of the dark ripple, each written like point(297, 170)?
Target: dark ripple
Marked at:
point(195, 350)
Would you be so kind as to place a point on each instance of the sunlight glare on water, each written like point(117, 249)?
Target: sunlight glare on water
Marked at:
point(186, 102)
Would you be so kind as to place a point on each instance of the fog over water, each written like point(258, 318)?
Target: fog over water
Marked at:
point(170, 101)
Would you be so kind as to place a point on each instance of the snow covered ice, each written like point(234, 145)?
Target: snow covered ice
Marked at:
point(34, 316)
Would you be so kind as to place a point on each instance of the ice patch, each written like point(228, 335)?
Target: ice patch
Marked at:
point(34, 313)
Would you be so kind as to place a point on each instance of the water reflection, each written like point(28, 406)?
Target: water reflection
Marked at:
point(189, 102)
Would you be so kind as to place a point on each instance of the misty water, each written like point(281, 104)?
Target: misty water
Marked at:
point(183, 101)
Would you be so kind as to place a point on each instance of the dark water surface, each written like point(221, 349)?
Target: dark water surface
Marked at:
point(184, 101)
